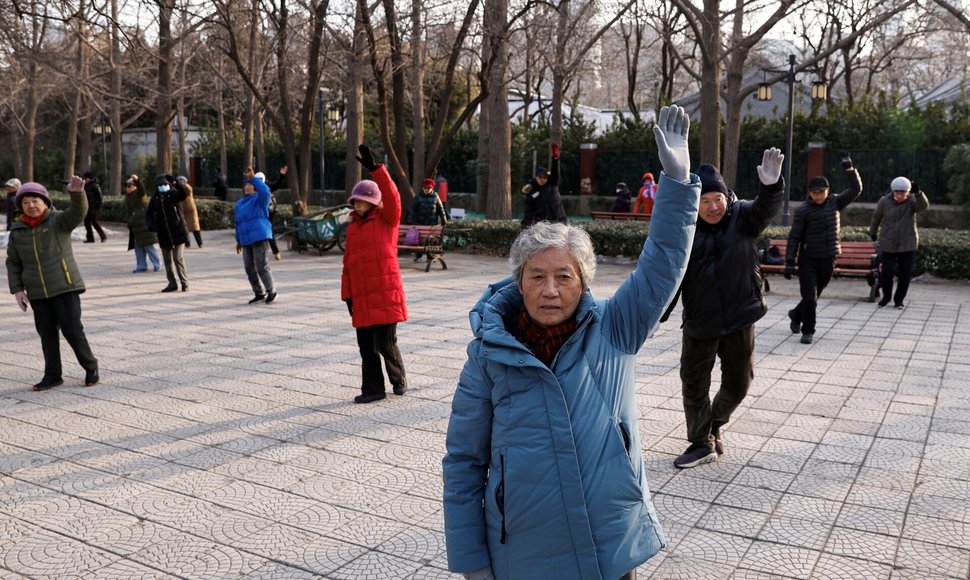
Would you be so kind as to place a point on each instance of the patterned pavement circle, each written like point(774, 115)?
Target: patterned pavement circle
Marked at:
point(223, 443)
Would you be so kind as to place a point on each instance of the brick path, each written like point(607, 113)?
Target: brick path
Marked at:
point(222, 442)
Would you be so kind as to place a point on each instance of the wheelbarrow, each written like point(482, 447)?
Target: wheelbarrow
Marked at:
point(321, 231)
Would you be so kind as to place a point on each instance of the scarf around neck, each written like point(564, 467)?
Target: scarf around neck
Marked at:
point(544, 342)
point(33, 222)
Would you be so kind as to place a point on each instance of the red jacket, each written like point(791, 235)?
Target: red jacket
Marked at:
point(372, 274)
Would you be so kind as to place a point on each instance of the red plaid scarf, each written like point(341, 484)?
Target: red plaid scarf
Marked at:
point(544, 342)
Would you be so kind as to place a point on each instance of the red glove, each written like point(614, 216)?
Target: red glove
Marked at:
point(555, 151)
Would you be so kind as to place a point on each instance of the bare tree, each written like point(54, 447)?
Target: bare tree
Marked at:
point(495, 133)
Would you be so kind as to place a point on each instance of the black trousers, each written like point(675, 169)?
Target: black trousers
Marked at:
point(736, 351)
point(91, 221)
point(374, 342)
point(61, 313)
point(814, 274)
point(899, 264)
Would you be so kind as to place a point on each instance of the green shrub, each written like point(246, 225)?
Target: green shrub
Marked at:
point(495, 237)
point(957, 166)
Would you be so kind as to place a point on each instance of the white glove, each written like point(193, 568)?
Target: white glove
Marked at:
point(483, 574)
point(769, 172)
point(22, 301)
point(671, 134)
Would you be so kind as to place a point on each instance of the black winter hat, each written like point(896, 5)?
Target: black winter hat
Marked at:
point(163, 180)
point(711, 179)
point(88, 175)
point(818, 182)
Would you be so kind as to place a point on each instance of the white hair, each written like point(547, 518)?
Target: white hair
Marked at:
point(541, 236)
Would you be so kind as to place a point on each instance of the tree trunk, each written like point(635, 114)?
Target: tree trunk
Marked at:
point(417, 96)
point(354, 95)
point(221, 116)
point(496, 125)
point(711, 84)
point(114, 115)
point(74, 103)
point(559, 75)
point(163, 108)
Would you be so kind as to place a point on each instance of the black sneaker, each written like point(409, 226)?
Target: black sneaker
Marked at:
point(258, 298)
point(883, 302)
point(807, 339)
point(91, 378)
point(718, 445)
point(400, 389)
point(170, 289)
point(695, 455)
point(185, 287)
point(900, 306)
point(796, 327)
point(369, 398)
point(47, 383)
point(270, 297)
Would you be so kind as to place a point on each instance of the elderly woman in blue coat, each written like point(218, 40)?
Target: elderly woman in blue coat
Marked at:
point(253, 233)
point(544, 475)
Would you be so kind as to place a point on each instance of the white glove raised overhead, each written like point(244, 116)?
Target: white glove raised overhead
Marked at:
point(22, 300)
point(671, 132)
point(769, 172)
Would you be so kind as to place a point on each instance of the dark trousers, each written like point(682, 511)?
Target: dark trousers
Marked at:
point(198, 238)
point(175, 264)
point(91, 222)
point(814, 274)
point(61, 313)
point(374, 342)
point(899, 264)
point(736, 351)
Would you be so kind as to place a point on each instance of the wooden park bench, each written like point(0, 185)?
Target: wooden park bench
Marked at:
point(620, 215)
point(429, 243)
point(857, 260)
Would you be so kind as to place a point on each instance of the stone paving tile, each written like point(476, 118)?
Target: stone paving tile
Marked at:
point(247, 458)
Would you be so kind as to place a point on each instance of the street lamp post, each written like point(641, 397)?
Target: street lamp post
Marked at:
point(321, 109)
point(764, 94)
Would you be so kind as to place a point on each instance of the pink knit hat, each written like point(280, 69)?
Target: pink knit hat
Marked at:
point(366, 190)
point(34, 190)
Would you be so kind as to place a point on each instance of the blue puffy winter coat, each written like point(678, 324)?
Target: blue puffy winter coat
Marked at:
point(544, 475)
point(252, 215)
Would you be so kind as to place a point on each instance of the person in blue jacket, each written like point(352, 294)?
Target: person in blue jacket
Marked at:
point(253, 232)
point(544, 474)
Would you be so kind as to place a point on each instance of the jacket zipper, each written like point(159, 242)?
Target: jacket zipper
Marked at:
point(67, 272)
point(500, 499)
point(40, 267)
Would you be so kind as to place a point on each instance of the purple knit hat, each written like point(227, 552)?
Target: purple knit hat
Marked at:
point(366, 190)
point(34, 190)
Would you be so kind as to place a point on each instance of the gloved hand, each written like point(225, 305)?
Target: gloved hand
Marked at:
point(874, 237)
point(845, 160)
point(170, 179)
point(350, 305)
point(75, 185)
point(789, 271)
point(671, 134)
point(483, 574)
point(366, 158)
point(238, 248)
point(555, 151)
point(769, 172)
point(22, 300)
point(914, 188)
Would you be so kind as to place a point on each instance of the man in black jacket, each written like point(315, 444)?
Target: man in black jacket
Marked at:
point(542, 200)
point(722, 300)
point(95, 200)
point(814, 238)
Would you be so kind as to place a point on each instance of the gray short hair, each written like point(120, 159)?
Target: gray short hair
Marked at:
point(541, 236)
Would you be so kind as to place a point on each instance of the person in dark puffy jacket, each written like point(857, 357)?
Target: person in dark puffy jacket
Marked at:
point(814, 238)
point(371, 283)
point(427, 209)
point(164, 217)
point(253, 232)
point(722, 300)
point(544, 474)
point(44, 276)
point(95, 200)
point(622, 202)
point(895, 222)
point(542, 199)
point(140, 238)
point(11, 185)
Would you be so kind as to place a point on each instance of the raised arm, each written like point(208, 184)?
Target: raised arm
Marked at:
point(634, 312)
point(757, 214)
point(855, 183)
point(79, 205)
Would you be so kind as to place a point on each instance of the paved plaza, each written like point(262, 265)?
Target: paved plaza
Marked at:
point(222, 441)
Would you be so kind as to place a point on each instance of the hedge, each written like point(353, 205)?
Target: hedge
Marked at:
point(944, 253)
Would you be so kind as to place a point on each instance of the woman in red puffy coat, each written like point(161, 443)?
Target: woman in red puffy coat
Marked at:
point(371, 283)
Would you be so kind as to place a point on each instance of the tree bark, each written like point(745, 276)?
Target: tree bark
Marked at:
point(496, 127)
point(163, 107)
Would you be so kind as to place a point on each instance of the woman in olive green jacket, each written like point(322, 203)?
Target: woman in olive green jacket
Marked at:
point(43, 275)
point(140, 238)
